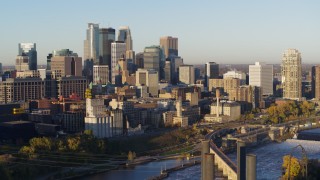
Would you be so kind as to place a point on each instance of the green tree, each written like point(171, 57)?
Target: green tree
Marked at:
point(73, 144)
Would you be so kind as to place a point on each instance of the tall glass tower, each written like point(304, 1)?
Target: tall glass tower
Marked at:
point(29, 49)
point(91, 44)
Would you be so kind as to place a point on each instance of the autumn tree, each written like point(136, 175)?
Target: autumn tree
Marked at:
point(295, 167)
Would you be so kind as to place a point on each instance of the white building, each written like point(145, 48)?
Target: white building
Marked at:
point(102, 123)
point(291, 73)
point(186, 74)
point(149, 78)
point(261, 75)
point(236, 74)
point(118, 50)
point(100, 74)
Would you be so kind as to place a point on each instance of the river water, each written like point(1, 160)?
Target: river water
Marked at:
point(269, 159)
point(139, 172)
point(269, 162)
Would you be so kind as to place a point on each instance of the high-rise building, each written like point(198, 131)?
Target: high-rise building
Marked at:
point(63, 52)
point(186, 74)
point(107, 36)
point(62, 66)
point(21, 89)
point(169, 45)
point(67, 86)
point(91, 44)
point(100, 74)
point(211, 72)
point(88, 69)
point(49, 61)
point(22, 63)
point(236, 74)
point(149, 78)
point(1, 71)
point(124, 35)
point(118, 50)
point(29, 49)
point(167, 71)
point(291, 74)
point(261, 75)
point(315, 82)
point(153, 59)
point(139, 62)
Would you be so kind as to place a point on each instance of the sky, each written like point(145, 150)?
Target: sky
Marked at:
point(225, 31)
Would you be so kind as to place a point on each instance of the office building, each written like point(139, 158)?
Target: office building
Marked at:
point(124, 35)
point(67, 86)
point(139, 61)
point(91, 44)
point(211, 72)
point(149, 78)
point(62, 66)
point(88, 69)
point(291, 74)
point(21, 89)
point(29, 49)
point(169, 45)
point(236, 74)
point(118, 50)
point(107, 36)
point(167, 71)
point(186, 74)
point(100, 74)
point(315, 82)
point(1, 70)
point(261, 75)
point(153, 59)
point(22, 63)
point(49, 61)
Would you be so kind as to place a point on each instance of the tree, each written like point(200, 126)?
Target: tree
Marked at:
point(295, 167)
point(73, 143)
point(27, 152)
point(130, 156)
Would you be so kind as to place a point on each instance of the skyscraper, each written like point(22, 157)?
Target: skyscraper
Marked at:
point(291, 74)
point(124, 35)
point(107, 36)
point(153, 59)
point(315, 82)
point(62, 66)
point(100, 74)
point(148, 78)
point(118, 50)
point(29, 49)
point(22, 63)
point(169, 45)
point(186, 74)
point(91, 44)
point(261, 75)
point(211, 71)
point(1, 71)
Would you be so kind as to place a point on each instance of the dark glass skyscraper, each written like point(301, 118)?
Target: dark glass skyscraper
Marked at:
point(107, 36)
point(211, 71)
point(29, 49)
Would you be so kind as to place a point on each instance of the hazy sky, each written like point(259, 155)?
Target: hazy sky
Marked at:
point(225, 31)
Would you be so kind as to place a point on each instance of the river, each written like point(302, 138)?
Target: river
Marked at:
point(138, 172)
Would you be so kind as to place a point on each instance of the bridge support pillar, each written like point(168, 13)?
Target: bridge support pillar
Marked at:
point(204, 149)
point(241, 160)
point(251, 172)
point(209, 171)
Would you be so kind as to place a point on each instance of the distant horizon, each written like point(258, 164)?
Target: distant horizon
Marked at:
point(219, 31)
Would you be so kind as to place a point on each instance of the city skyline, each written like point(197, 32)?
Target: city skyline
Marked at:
point(223, 32)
